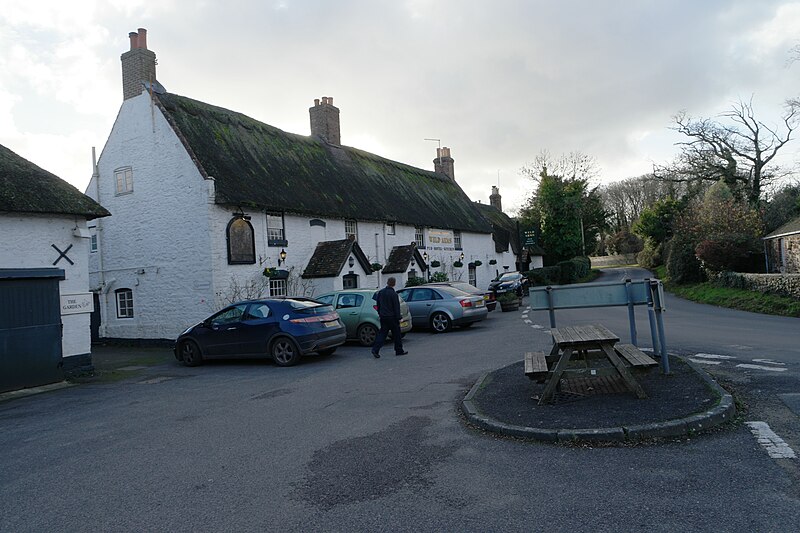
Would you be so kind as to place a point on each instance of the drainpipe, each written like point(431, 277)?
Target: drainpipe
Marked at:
point(100, 245)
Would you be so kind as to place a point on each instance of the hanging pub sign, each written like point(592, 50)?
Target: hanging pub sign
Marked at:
point(440, 239)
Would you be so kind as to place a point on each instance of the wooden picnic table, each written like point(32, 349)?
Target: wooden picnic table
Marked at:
point(593, 343)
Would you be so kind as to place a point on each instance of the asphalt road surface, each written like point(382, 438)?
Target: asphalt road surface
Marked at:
point(351, 443)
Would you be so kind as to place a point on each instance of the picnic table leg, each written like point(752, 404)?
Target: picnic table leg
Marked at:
point(554, 349)
point(626, 376)
point(552, 383)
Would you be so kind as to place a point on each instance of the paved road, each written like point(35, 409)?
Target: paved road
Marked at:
point(350, 443)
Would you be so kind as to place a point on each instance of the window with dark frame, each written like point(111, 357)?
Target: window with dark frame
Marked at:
point(391, 229)
point(277, 287)
point(276, 232)
point(350, 281)
point(124, 303)
point(241, 242)
point(93, 240)
point(457, 239)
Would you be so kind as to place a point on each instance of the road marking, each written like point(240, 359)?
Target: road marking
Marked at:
point(705, 361)
point(776, 447)
point(769, 362)
point(762, 367)
point(713, 356)
point(537, 326)
point(528, 321)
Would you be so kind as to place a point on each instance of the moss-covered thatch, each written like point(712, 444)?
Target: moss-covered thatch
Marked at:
point(329, 258)
point(27, 188)
point(257, 165)
point(504, 229)
point(401, 256)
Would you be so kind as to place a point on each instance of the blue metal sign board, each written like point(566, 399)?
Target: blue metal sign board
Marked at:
point(589, 295)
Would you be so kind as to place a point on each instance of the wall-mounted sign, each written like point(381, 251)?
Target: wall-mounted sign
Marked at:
point(440, 239)
point(77, 303)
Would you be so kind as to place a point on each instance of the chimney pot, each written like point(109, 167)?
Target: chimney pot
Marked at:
point(443, 164)
point(330, 100)
point(142, 39)
point(133, 37)
point(316, 102)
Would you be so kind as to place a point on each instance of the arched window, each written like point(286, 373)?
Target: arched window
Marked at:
point(241, 242)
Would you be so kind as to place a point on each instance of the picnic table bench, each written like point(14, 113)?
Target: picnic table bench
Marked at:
point(593, 343)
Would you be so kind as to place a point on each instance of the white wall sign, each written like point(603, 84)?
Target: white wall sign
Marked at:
point(77, 303)
point(440, 239)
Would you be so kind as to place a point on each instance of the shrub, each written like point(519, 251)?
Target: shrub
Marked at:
point(543, 276)
point(582, 265)
point(569, 272)
point(682, 263)
point(650, 257)
point(414, 281)
point(507, 297)
point(439, 277)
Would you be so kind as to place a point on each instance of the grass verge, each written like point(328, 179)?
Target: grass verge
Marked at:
point(744, 300)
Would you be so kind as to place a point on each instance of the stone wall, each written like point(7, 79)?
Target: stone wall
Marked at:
point(784, 284)
point(613, 260)
point(784, 254)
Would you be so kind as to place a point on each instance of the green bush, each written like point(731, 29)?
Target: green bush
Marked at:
point(650, 256)
point(733, 280)
point(414, 281)
point(569, 272)
point(543, 276)
point(582, 265)
point(682, 263)
point(439, 277)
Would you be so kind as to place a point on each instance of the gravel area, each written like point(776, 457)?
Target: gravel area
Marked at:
point(509, 396)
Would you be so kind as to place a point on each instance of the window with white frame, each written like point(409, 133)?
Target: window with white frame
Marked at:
point(277, 287)
point(93, 240)
point(276, 235)
point(419, 236)
point(457, 239)
point(124, 303)
point(390, 228)
point(351, 229)
point(124, 180)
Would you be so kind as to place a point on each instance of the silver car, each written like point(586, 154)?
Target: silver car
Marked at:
point(440, 308)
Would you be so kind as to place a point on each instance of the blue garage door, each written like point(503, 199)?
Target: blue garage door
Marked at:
point(30, 327)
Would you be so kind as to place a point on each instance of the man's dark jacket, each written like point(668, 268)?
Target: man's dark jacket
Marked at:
point(388, 303)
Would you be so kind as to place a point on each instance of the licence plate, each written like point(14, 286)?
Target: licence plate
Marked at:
point(403, 323)
point(332, 324)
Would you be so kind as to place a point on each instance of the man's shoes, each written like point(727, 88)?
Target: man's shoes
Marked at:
point(376, 355)
point(401, 353)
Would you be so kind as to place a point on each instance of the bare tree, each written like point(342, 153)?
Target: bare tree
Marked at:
point(572, 165)
point(738, 149)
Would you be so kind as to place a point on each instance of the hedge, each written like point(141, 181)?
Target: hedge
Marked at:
point(563, 273)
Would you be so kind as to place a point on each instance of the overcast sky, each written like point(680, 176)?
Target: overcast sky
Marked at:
point(497, 81)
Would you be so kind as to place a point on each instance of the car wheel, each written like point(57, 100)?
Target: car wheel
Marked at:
point(190, 353)
point(440, 322)
point(284, 351)
point(366, 334)
point(326, 351)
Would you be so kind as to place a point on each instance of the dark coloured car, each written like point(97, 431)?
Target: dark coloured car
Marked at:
point(510, 281)
point(488, 296)
point(283, 329)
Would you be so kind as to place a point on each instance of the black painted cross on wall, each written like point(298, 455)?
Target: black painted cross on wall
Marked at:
point(62, 254)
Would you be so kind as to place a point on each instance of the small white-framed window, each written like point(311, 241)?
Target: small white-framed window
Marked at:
point(124, 303)
point(93, 240)
point(351, 229)
point(457, 239)
point(419, 236)
point(390, 228)
point(276, 234)
point(124, 180)
point(277, 287)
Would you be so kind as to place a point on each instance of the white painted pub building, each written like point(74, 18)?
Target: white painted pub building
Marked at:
point(205, 201)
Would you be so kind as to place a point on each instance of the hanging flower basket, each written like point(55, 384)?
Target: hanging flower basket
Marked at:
point(492, 261)
point(436, 264)
point(458, 264)
point(270, 272)
point(376, 267)
point(477, 263)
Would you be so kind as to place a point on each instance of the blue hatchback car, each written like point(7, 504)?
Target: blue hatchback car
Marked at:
point(283, 329)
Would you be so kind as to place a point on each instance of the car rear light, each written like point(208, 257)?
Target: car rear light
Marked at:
point(375, 307)
point(316, 318)
point(465, 303)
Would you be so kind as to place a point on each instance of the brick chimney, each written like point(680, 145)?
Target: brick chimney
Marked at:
point(325, 120)
point(443, 164)
point(494, 198)
point(138, 65)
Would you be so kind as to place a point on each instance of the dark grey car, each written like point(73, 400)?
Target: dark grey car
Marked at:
point(440, 308)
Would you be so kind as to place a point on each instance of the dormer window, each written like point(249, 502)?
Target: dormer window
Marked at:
point(124, 180)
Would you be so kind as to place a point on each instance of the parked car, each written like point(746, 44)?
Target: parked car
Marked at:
point(283, 329)
point(357, 310)
point(510, 281)
point(488, 296)
point(441, 307)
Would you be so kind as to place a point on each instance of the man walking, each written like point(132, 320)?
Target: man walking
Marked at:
point(389, 313)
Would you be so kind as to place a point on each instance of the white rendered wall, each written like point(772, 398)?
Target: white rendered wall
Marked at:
point(25, 241)
point(157, 241)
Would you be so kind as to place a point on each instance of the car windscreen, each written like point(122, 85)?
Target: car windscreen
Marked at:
point(452, 291)
point(309, 307)
point(510, 277)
